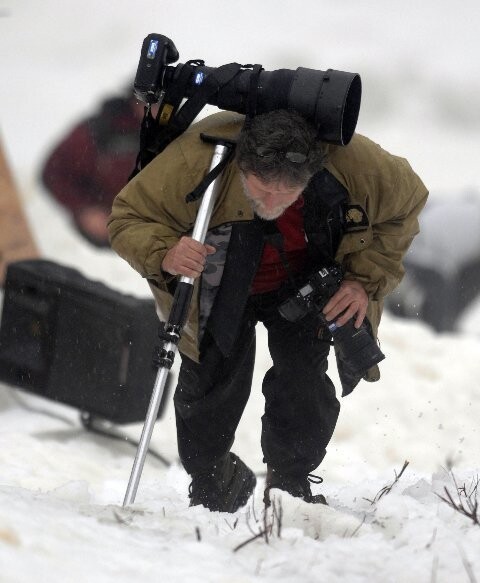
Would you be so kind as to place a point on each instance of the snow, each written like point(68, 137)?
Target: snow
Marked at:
point(61, 487)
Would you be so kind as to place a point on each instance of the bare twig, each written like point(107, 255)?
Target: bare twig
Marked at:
point(232, 526)
point(269, 520)
point(267, 528)
point(467, 503)
point(468, 566)
point(278, 516)
point(432, 540)
point(358, 527)
point(248, 517)
point(249, 540)
point(387, 489)
point(253, 510)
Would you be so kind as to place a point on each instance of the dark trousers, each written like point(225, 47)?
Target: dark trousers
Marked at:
point(301, 408)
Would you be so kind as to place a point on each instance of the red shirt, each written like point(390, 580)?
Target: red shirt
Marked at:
point(271, 273)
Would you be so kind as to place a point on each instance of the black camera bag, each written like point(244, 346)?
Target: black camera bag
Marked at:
point(76, 341)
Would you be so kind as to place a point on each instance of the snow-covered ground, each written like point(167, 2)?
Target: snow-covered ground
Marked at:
point(61, 488)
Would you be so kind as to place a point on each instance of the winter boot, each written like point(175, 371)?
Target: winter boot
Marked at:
point(225, 487)
point(296, 485)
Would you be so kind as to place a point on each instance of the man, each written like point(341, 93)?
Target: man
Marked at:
point(87, 168)
point(286, 206)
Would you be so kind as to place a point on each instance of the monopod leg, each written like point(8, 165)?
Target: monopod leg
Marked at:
point(146, 436)
point(173, 328)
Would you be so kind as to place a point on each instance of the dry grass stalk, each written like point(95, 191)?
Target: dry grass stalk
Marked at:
point(387, 489)
point(467, 502)
point(269, 520)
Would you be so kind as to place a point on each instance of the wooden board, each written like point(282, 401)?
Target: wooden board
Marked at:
point(16, 240)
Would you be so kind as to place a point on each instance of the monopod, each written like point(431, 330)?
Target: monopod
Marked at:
point(172, 330)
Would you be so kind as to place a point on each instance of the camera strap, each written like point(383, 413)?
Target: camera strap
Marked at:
point(210, 177)
point(194, 105)
point(146, 152)
point(174, 93)
point(156, 134)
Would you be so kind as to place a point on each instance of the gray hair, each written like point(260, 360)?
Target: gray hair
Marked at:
point(280, 146)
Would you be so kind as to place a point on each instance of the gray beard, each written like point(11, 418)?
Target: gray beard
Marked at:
point(267, 215)
point(259, 209)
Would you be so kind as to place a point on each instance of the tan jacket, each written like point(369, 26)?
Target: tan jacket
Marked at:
point(150, 214)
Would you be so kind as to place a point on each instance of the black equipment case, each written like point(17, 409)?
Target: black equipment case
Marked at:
point(76, 341)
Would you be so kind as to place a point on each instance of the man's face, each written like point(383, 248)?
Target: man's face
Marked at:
point(269, 199)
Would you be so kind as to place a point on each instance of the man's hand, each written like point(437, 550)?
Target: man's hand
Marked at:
point(187, 258)
point(351, 299)
point(92, 220)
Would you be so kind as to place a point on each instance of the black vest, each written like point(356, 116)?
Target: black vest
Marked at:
point(325, 199)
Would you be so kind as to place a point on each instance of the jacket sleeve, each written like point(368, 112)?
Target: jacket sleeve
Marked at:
point(375, 257)
point(150, 214)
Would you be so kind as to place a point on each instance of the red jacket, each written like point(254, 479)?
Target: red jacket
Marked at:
point(92, 164)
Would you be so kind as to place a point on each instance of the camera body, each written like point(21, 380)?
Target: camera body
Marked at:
point(313, 296)
point(329, 99)
point(355, 346)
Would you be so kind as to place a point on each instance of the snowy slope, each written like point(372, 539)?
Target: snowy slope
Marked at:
point(61, 487)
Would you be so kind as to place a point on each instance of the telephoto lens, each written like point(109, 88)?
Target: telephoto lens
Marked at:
point(329, 99)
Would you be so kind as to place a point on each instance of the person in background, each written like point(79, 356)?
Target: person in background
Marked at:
point(288, 205)
point(85, 171)
point(442, 266)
